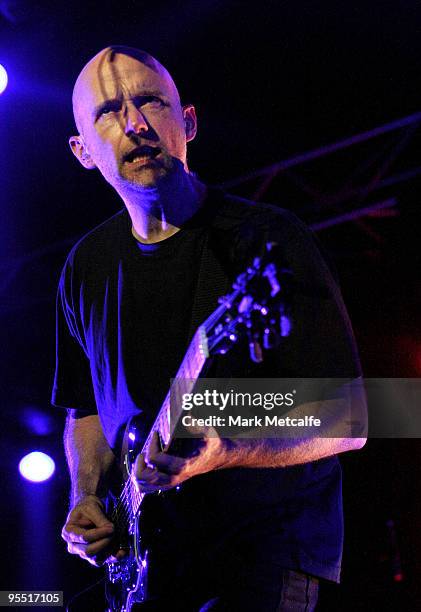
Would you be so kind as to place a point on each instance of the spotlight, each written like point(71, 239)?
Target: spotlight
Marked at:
point(36, 467)
point(3, 79)
point(36, 421)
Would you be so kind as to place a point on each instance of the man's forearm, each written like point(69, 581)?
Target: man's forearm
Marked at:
point(281, 452)
point(332, 438)
point(88, 455)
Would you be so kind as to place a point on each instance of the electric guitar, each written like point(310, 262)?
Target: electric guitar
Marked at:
point(257, 307)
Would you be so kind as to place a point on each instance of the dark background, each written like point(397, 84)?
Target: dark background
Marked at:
point(269, 80)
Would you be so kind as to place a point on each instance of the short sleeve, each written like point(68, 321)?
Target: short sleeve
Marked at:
point(72, 388)
point(321, 343)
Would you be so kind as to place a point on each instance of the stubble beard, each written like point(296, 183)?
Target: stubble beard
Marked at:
point(149, 174)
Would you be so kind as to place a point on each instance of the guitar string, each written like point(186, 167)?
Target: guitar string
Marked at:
point(125, 508)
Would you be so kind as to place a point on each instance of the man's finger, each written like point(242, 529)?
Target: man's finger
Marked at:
point(90, 551)
point(101, 546)
point(95, 514)
point(139, 465)
point(153, 449)
point(148, 488)
point(152, 477)
point(143, 472)
point(118, 556)
point(168, 464)
point(74, 533)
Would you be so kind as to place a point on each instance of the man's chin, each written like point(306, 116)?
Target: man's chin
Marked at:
point(144, 176)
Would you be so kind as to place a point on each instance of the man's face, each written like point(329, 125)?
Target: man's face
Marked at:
point(132, 124)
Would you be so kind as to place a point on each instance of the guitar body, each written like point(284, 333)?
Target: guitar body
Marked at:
point(125, 585)
point(126, 582)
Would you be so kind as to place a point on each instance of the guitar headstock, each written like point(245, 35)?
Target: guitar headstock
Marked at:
point(256, 307)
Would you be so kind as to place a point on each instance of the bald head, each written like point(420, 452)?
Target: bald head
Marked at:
point(131, 124)
point(104, 68)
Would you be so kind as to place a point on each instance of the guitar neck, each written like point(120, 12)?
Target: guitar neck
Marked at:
point(170, 412)
point(184, 381)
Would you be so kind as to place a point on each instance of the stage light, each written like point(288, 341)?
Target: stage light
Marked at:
point(36, 467)
point(36, 421)
point(3, 79)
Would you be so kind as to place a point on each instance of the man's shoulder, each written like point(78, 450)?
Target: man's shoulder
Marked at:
point(237, 212)
point(235, 208)
point(102, 240)
point(239, 219)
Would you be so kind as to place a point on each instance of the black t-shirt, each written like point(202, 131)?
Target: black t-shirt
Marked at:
point(123, 319)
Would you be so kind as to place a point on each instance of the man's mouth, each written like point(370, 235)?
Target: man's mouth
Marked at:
point(141, 154)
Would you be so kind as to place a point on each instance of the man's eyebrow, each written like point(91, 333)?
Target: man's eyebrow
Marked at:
point(99, 107)
point(149, 92)
point(143, 93)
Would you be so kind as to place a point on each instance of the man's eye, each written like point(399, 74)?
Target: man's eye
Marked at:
point(107, 110)
point(151, 102)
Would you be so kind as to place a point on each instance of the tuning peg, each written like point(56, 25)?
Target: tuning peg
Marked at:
point(225, 342)
point(256, 353)
point(270, 338)
point(245, 304)
point(285, 325)
point(270, 273)
point(241, 281)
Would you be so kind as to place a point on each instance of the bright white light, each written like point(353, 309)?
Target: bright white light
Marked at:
point(37, 467)
point(3, 79)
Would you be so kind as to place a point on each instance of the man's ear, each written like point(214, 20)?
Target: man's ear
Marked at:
point(190, 121)
point(79, 150)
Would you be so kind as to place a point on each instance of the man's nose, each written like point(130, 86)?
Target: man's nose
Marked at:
point(135, 121)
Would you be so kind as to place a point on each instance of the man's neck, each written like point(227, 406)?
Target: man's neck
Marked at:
point(159, 212)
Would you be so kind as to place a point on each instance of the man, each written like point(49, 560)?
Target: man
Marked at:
point(257, 522)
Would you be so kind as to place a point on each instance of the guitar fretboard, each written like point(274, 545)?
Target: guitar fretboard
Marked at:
point(165, 423)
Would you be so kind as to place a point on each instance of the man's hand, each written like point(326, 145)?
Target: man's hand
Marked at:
point(89, 533)
point(159, 471)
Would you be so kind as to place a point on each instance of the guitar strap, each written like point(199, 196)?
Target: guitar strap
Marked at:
point(211, 284)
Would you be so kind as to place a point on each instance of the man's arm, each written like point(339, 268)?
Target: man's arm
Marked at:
point(88, 532)
point(337, 416)
point(160, 470)
point(280, 452)
point(88, 456)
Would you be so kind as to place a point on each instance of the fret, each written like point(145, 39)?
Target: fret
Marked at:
point(176, 389)
point(164, 428)
point(170, 411)
point(187, 373)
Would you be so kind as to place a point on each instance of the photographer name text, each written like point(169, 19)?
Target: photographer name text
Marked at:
point(255, 421)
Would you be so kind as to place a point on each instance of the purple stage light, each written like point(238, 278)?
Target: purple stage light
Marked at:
point(37, 421)
point(36, 467)
point(3, 79)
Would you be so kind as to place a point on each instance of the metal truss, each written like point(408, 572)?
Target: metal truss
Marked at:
point(362, 163)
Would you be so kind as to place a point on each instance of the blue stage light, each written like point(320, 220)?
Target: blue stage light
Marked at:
point(37, 467)
point(36, 421)
point(3, 79)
